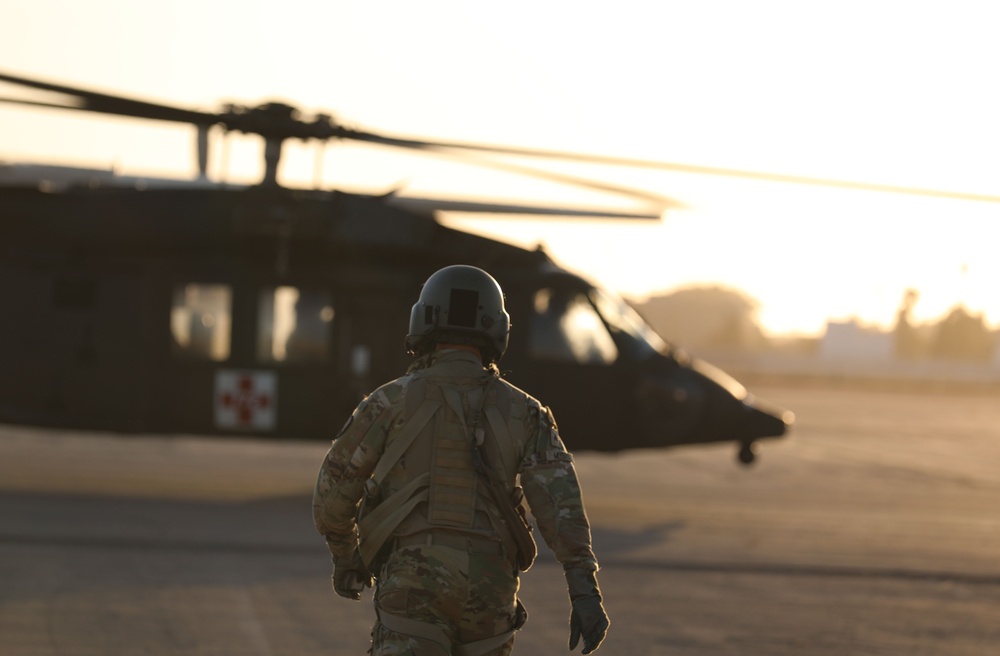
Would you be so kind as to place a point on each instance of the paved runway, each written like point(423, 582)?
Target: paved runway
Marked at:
point(873, 529)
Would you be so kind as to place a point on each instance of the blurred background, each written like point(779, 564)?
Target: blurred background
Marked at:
point(754, 274)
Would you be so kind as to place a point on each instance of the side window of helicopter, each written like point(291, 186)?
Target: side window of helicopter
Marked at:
point(293, 325)
point(200, 321)
point(565, 327)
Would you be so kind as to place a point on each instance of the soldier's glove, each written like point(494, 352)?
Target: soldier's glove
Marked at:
point(587, 618)
point(350, 576)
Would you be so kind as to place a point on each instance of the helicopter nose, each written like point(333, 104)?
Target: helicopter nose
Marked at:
point(738, 414)
point(764, 419)
point(695, 402)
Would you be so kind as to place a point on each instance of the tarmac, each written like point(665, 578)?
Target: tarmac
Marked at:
point(873, 528)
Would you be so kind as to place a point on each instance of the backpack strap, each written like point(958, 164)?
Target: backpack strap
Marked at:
point(454, 400)
point(504, 412)
point(405, 438)
point(504, 441)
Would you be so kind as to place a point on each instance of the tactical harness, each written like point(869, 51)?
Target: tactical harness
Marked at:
point(449, 487)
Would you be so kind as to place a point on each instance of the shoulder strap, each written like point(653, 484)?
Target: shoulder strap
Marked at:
point(455, 402)
point(405, 438)
point(496, 484)
point(504, 440)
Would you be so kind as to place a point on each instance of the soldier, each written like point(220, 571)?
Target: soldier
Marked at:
point(418, 495)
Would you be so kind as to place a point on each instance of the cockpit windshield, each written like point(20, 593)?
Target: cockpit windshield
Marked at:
point(589, 327)
point(625, 323)
point(565, 327)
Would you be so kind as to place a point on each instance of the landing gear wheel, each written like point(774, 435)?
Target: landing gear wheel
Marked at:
point(748, 453)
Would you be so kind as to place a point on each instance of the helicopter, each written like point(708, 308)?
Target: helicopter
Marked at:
point(143, 305)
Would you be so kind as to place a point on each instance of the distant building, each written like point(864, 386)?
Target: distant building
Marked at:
point(851, 341)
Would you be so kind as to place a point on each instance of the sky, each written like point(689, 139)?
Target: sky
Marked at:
point(886, 92)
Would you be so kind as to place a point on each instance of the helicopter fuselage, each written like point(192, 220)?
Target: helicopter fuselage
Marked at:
point(264, 310)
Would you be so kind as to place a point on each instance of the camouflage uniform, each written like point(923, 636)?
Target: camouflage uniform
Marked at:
point(448, 563)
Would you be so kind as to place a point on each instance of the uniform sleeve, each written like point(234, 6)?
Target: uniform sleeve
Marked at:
point(553, 493)
point(348, 464)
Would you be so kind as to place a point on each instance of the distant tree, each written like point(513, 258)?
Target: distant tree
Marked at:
point(908, 342)
point(962, 335)
point(705, 317)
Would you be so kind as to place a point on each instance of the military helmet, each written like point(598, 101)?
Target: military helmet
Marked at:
point(460, 304)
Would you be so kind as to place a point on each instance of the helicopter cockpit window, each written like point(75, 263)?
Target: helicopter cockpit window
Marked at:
point(200, 321)
point(626, 323)
point(294, 325)
point(566, 327)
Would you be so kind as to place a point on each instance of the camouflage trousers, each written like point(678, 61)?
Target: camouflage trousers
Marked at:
point(469, 596)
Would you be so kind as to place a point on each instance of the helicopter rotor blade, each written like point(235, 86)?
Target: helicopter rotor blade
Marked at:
point(663, 202)
point(277, 122)
point(109, 104)
point(35, 103)
point(403, 142)
point(573, 180)
point(157, 114)
point(431, 205)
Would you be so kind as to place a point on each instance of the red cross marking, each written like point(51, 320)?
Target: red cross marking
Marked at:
point(246, 401)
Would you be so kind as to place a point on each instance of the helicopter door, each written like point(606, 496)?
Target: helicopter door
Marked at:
point(573, 364)
point(295, 337)
point(199, 334)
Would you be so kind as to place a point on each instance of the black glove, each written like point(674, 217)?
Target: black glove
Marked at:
point(350, 576)
point(587, 618)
